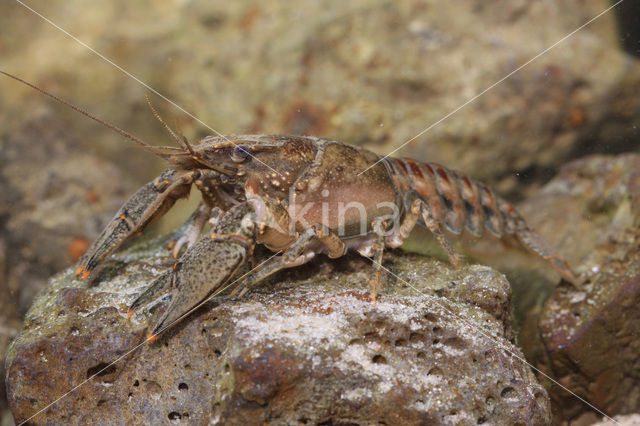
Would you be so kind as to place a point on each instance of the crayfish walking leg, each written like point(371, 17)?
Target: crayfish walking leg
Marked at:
point(297, 254)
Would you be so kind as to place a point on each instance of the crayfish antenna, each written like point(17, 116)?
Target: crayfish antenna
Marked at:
point(138, 141)
point(180, 140)
point(184, 139)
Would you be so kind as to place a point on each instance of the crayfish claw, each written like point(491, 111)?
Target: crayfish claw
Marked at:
point(374, 286)
point(178, 244)
point(157, 289)
point(147, 204)
point(190, 231)
point(205, 267)
point(78, 270)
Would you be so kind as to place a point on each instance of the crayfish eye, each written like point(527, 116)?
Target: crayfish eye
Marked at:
point(240, 153)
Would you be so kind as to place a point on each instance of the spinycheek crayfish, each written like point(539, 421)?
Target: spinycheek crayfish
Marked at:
point(299, 196)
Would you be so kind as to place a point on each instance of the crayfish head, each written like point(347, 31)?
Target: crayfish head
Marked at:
point(272, 161)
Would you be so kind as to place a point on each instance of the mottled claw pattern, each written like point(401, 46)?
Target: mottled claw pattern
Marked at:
point(204, 268)
point(148, 203)
point(289, 194)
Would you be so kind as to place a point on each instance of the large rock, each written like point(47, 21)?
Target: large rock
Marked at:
point(313, 348)
point(589, 338)
point(628, 420)
point(54, 200)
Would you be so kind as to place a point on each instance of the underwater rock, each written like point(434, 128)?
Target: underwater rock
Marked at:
point(589, 337)
point(626, 420)
point(54, 200)
point(309, 347)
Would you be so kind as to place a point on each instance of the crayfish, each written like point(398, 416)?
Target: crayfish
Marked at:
point(299, 196)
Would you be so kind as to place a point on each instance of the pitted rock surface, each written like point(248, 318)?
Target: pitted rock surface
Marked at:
point(54, 199)
point(307, 348)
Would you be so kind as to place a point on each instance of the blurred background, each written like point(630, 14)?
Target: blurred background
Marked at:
point(371, 73)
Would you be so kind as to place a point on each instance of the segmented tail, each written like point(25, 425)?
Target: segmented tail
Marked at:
point(461, 203)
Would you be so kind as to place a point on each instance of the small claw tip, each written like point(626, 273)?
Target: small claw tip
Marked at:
point(152, 337)
point(78, 271)
point(86, 274)
point(129, 313)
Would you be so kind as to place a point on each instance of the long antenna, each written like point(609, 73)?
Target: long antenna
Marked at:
point(165, 125)
point(115, 128)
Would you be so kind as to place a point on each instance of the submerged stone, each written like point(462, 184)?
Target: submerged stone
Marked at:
point(308, 347)
point(588, 337)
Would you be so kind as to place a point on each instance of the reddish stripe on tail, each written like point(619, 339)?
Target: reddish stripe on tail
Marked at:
point(429, 168)
point(443, 174)
point(401, 163)
point(458, 202)
point(415, 170)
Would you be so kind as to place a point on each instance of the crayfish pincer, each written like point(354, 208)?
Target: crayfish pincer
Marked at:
point(299, 197)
